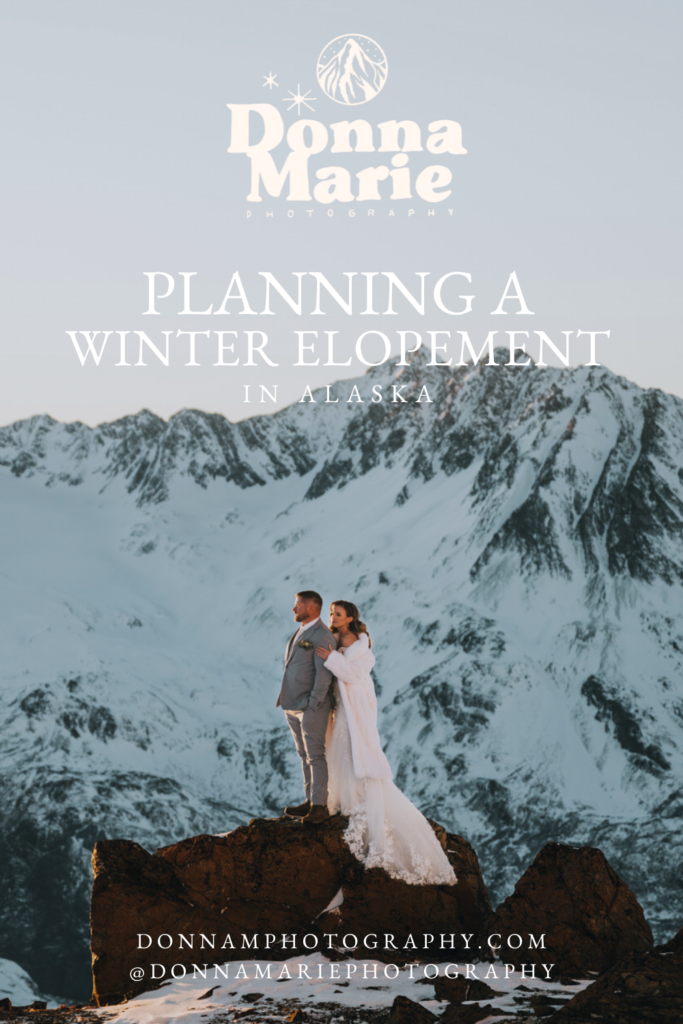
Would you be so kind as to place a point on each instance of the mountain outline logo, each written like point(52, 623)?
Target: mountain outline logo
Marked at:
point(352, 69)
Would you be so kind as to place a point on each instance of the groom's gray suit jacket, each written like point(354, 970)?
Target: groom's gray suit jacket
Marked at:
point(306, 680)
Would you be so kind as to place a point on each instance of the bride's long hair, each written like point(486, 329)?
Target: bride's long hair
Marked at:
point(356, 626)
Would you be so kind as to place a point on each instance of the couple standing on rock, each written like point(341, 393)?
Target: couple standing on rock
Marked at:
point(329, 701)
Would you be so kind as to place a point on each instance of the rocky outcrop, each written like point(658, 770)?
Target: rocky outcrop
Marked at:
point(407, 1011)
point(588, 915)
point(470, 1014)
point(674, 946)
point(264, 892)
point(458, 990)
point(644, 988)
point(232, 897)
point(374, 903)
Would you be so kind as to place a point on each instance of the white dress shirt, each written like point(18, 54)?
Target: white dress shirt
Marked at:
point(306, 626)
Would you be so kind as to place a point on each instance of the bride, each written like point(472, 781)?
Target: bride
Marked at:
point(385, 829)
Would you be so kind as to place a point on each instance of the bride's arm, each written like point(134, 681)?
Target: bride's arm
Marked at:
point(350, 670)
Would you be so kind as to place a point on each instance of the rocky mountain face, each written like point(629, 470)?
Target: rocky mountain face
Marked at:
point(515, 546)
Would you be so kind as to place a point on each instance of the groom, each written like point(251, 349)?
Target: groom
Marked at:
point(306, 702)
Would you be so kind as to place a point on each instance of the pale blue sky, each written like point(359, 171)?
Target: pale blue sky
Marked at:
point(115, 130)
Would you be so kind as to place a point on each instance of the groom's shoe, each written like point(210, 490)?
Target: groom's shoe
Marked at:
point(300, 811)
point(317, 815)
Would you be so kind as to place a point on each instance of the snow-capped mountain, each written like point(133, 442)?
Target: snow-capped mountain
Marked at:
point(351, 76)
point(516, 547)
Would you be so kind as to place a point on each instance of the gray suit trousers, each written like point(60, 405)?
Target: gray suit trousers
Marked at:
point(309, 729)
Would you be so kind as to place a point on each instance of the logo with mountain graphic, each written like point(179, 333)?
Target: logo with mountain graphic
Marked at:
point(352, 69)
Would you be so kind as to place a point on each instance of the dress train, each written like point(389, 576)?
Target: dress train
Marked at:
point(385, 829)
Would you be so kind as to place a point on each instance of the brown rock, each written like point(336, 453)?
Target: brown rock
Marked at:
point(473, 897)
point(674, 945)
point(269, 877)
point(457, 990)
point(589, 917)
point(252, 997)
point(133, 892)
point(136, 893)
point(545, 1006)
point(405, 1011)
point(5, 1004)
point(469, 1014)
point(209, 992)
point(645, 988)
point(375, 904)
point(263, 859)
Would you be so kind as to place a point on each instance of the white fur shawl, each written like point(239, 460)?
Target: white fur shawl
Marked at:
point(352, 670)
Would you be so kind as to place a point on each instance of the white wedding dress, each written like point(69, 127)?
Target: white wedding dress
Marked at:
point(385, 829)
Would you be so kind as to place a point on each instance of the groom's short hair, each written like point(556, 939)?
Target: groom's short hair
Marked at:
point(310, 597)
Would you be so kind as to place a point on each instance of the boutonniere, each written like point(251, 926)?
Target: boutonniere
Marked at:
point(305, 645)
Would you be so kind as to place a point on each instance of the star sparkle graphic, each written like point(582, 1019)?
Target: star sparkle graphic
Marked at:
point(297, 100)
point(270, 81)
